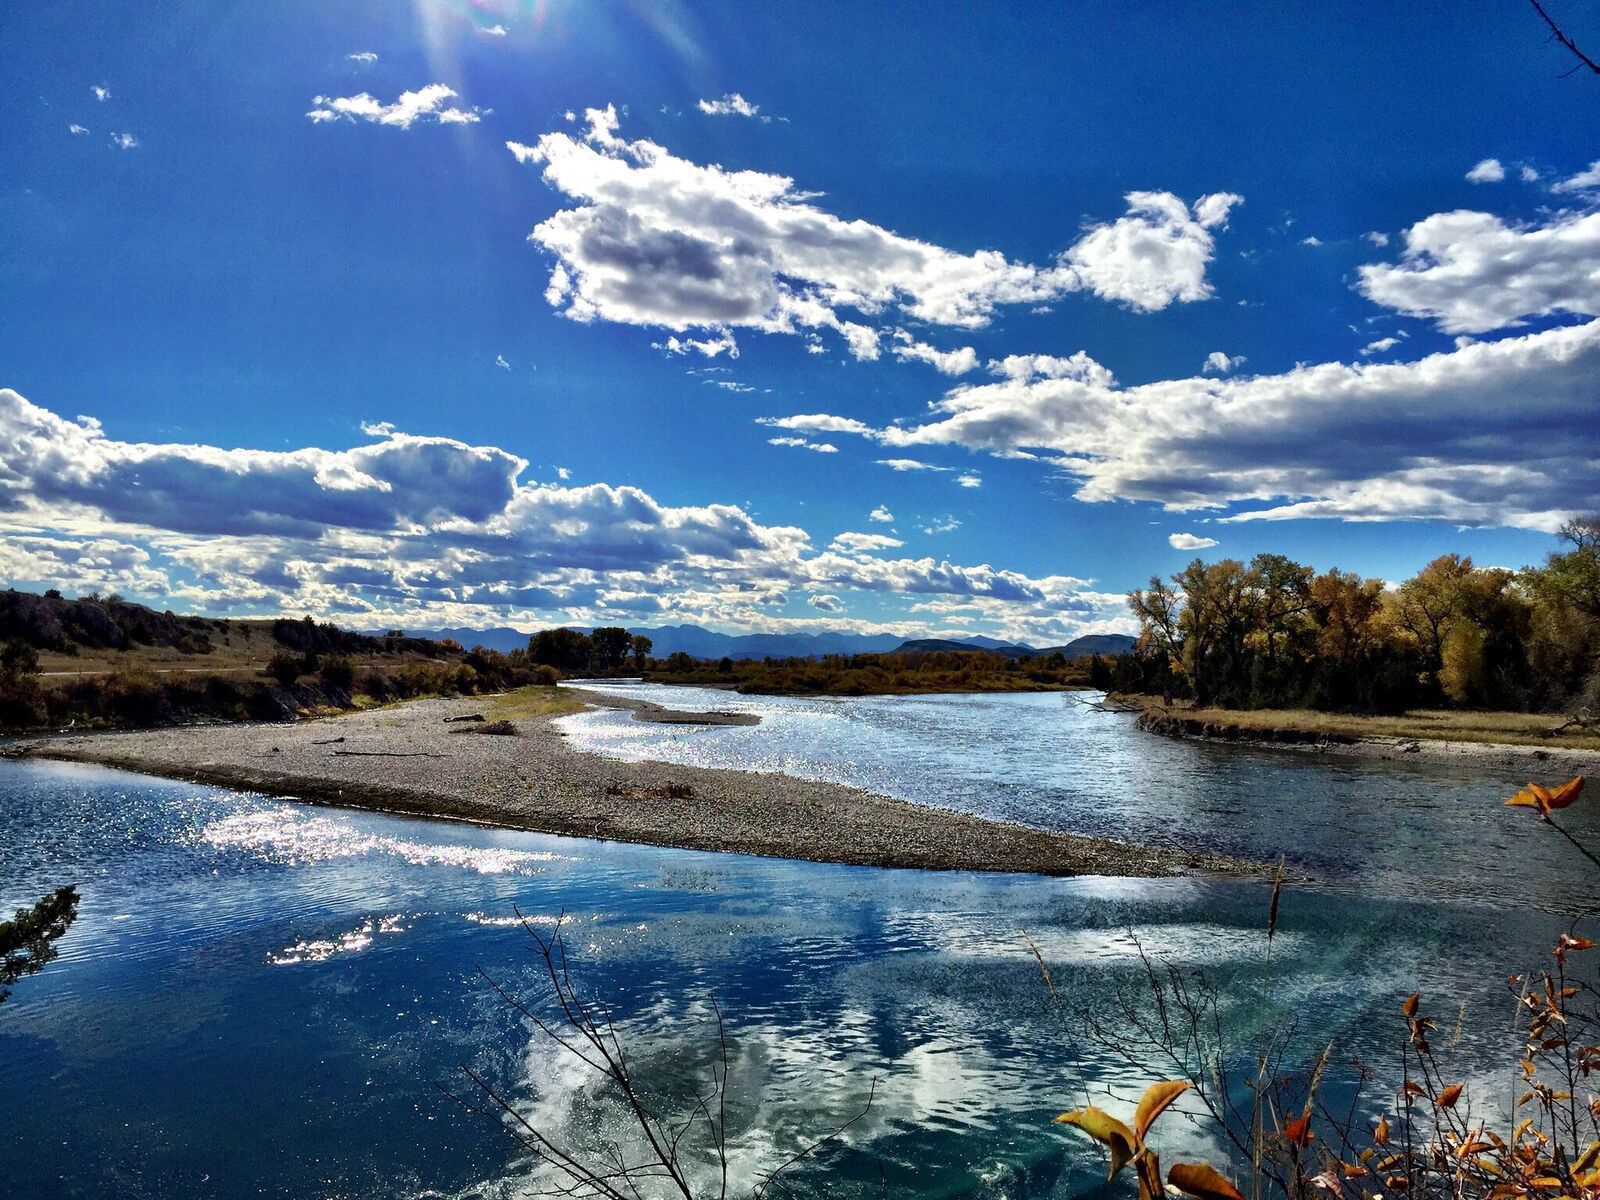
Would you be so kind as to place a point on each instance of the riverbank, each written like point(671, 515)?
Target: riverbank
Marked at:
point(426, 758)
point(1495, 738)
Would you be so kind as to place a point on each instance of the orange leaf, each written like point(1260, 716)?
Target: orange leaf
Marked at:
point(1380, 1135)
point(1154, 1102)
point(1564, 795)
point(1104, 1128)
point(1202, 1181)
point(1410, 1006)
point(1448, 1097)
point(1298, 1132)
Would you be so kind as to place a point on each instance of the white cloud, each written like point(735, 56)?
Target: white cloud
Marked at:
point(77, 130)
point(101, 92)
point(426, 103)
point(969, 480)
point(801, 443)
point(1587, 180)
point(563, 473)
point(1190, 541)
point(864, 543)
point(1379, 346)
point(818, 423)
point(656, 240)
point(1220, 363)
point(1311, 240)
point(495, 31)
point(947, 362)
point(1471, 272)
point(823, 602)
point(363, 57)
point(124, 141)
point(908, 464)
point(500, 361)
point(1155, 255)
point(1492, 433)
point(722, 343)
point(731, 105)
point(1529, 175)
point(410, 531)
point(942, 525)
point(1488, 171)
point(730, 385)
point(1377, 238)
point(881, 514)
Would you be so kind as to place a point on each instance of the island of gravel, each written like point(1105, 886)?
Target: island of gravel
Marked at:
point(427, 758)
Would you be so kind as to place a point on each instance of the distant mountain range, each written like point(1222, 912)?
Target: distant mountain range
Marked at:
point(704, 643)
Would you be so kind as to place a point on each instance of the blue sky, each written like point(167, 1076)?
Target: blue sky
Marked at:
point(368, 310)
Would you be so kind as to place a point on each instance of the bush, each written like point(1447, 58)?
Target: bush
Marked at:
point(284, 667)
point(338, 672)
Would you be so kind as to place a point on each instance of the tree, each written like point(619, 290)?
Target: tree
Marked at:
point(609, 647)
point(564, 649)
point(18, 661)
point(641, 647)
point(27, 941)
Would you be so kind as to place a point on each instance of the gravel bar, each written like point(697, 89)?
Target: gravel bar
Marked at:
point(411, 759)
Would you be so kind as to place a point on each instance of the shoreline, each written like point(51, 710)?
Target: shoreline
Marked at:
point(420, 759)
point(1316, 734)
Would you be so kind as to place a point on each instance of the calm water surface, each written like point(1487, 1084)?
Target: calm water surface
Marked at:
point(261, 998)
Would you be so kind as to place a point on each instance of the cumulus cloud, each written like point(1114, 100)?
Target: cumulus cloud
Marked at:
point(731, 105)
point(428, 103)
point(942, 525)
point(801, 443)
point(412, 530)
point(1472, 272)
point(947, 362)
point(1311, 240)
point(1491, 433)
point(1377, 237)
point(1219, 363)
point(817, 423)
point(908, 464)
point(881, 514)
point(657, 240)
point(969, 480)
point(862, 543)
point(1488, 171)
point(101, 92)
point(1190, 541)
point(823, 602)
point(1587, 180)
point(1379, 346)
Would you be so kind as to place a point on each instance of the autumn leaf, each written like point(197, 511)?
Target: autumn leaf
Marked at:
point(1545, 800)
point(1410, 1006)
point(1380, 1135)
point(1154, 1102)
point(1298, 1132)
point(1203, 1182)
point(1569, 791)
point(1448, 1097)
point(1106, 1129)
point(1567, 943)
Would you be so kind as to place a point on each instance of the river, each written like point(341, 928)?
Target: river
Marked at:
point(264, 999)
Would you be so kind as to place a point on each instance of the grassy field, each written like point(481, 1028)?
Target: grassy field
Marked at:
point(1489, 728)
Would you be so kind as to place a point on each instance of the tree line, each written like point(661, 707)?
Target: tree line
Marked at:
point(1274, 633)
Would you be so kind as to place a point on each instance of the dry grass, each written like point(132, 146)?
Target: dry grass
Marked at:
point(535, 700)
point(1434, 725)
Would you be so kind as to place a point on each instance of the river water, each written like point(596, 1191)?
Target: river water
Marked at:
point(266, 999)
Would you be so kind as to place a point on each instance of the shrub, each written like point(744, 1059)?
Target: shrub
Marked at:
point(338, 672)
point(284, 667)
